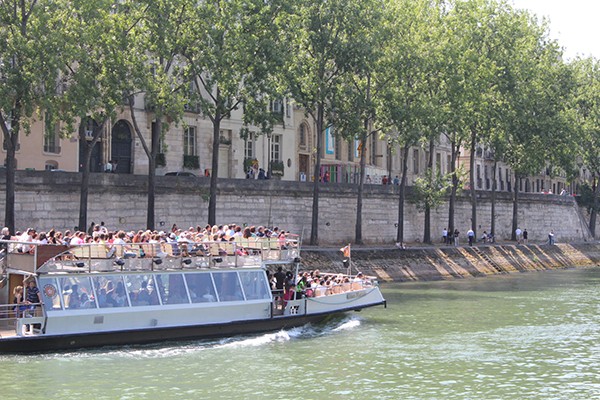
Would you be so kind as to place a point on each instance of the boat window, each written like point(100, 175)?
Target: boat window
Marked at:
point(201, 288)
point(255, 285)
point(77, 292)
point(50, 297)
point(172, 288)
point(142, 291)
point(111, 291)
point(228, 286)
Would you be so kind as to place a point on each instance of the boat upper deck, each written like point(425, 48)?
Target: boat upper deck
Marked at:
point(99, 257)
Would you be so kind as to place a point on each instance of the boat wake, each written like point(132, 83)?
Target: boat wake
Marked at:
point(170, 349)
point(307, 331)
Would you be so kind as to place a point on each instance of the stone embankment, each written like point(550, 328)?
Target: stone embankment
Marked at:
point(455, 262)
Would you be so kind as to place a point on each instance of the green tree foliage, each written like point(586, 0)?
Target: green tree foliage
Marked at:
point(409, 102)
point(368, 60)
point(430, 190)
point(586, 115)
point(31, 58)
point(318, 36)
point(159, 74)
point(230, 50)
point(94, 77)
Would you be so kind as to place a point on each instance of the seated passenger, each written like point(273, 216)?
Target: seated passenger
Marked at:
point(84, 301)
point(359, 277)
point(120, 297)
point(208, 297)
point(102, 298)
point(143, 296)
point(346, 287)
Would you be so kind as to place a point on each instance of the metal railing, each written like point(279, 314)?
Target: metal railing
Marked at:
point(21, 320)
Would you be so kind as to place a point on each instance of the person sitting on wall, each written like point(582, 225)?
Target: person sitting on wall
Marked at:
point(484, 237)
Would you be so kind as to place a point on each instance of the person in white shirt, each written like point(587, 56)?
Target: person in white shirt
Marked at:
point(27, 236)
point(518, 233)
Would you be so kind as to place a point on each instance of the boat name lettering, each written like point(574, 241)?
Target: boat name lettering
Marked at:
point(355, 295)
point(50, 291)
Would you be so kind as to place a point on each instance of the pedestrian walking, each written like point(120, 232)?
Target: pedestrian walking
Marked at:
point(456, 236)
point(445, 236)
point(471, 235)
point(525, 234)
point(518, 234)
point(551, 237)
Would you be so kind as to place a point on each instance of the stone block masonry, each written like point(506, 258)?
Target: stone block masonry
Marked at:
point(455, 262)
point(46, 200)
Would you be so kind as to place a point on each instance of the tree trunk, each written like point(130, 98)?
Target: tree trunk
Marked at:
point(155, 140)
point(85, 172)
point(400, 234)
point(513, 234)
point(269, 172)
point(358, 239)
point(389, 163)
point(493, 221)
point(427, 224)
point(314, 227)
point(9, 211)
point(472, 183)
point(359, 200)
point(11, 139)
point(212, 201)
point(455, 149)
point(593, 214)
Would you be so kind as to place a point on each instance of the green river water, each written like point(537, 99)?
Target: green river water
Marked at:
point(526, 336)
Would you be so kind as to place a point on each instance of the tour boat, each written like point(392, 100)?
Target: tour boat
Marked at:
point(109, 295)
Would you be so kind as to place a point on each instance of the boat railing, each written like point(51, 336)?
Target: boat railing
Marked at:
point(21, 319)
point(105, 257)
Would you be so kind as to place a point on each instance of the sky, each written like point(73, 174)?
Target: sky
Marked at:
point(574, 23)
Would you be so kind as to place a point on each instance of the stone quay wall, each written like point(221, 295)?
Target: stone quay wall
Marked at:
point(47, 199)
point(454, 262)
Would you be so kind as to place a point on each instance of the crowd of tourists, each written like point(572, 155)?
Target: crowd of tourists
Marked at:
point(314, 284)
point(99, 234)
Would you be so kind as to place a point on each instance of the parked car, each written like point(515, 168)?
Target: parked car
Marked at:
point(180, 173)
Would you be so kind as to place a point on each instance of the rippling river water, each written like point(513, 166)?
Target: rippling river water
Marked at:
point(528, 336)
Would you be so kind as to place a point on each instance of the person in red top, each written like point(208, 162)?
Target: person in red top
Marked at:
point(384, 180)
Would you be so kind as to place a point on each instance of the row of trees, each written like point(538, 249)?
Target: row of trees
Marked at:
point(477, 71)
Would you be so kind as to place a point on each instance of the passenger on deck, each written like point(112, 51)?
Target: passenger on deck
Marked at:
point(279, 280)
point(32, 296)
point(346, 287)
point(19, 301)
point(291, 293)
point(289, 280)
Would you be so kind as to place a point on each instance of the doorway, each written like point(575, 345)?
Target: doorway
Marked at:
point(121, 147)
